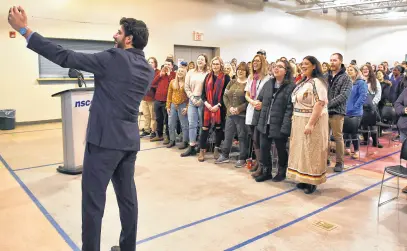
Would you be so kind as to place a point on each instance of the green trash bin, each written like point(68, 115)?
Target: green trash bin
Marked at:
point(7, 119)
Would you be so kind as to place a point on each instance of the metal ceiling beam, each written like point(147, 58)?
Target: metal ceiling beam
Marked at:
point(381, 7)
point(314, 2)
point(380, 17)
point(378, 13)
point(339, 5)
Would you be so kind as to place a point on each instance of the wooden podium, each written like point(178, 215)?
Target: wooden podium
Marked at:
point(75, 104)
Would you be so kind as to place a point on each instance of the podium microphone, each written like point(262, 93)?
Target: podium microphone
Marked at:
point(73, 73)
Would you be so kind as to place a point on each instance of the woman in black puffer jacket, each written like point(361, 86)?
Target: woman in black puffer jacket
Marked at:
point(273, 119)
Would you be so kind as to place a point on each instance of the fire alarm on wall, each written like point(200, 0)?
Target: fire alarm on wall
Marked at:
point(12, 34)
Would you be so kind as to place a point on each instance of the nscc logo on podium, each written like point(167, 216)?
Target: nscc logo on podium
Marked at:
point(82, 103)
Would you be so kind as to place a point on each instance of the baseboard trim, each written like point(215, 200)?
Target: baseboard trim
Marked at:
point(39, 122)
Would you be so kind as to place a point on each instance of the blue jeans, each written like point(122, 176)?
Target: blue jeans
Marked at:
point(195, 121)
point(175, 113)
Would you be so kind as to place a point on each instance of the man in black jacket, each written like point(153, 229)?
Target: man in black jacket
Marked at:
point(339, 89)
point(122, 78)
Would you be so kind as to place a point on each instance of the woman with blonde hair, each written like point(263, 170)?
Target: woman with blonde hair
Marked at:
point(229, 70)
point(354, 108)
point(258, 77)
point(177, 106)
point(294, 70)
point(214, 113)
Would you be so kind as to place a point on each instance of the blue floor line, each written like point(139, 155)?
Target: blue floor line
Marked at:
point(53, 164)
point(33, 167)
point(279, 228)
point(250, 204)
point(51, 220)
point(8, 133)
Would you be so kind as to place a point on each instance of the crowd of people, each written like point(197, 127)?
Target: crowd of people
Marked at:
point(297, 108)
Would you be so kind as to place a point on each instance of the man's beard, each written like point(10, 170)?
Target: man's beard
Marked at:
point(119, 44)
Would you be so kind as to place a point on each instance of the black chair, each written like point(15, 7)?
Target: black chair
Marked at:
point(351, 126)
point(397, 171)
point(369, 119)
point(388, 119)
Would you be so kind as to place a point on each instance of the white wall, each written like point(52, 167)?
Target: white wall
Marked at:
point(376, 41)
point(238, 32)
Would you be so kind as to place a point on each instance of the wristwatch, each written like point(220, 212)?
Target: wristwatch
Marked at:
point(23, 31)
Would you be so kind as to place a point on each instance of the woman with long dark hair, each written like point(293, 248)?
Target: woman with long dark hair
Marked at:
point(273, 118)
point(370, 106)
point(310, 130)
point(325, 69)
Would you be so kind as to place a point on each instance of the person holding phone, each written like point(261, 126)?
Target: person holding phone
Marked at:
point(161, 83)
point(112, 137)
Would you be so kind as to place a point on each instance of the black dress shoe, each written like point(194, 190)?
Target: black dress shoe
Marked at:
point(309, 189)
point(301, 185)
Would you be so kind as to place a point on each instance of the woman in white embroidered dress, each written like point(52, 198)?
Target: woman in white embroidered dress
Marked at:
point(309, 132)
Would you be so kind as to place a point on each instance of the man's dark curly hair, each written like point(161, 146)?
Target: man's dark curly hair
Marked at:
point(137, 29)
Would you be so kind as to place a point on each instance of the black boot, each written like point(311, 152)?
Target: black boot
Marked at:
point(266, 174)
point(190, 152)
point(183, 146)
point(171, 144)
point(281, 174)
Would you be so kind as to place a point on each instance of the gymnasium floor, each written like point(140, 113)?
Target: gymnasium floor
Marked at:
point(187, 205)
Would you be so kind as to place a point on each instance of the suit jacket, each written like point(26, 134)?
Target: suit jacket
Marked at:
point(122, 78)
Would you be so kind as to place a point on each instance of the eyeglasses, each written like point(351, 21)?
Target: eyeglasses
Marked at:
point(280, 66)
point(256, 60)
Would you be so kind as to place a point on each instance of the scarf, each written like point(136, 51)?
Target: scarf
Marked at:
point(213, 91)
point(253, 89)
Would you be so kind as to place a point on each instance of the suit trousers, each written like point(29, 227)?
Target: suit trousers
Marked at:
point(99, 167)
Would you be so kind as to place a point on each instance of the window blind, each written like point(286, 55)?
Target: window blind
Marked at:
point(50, 70)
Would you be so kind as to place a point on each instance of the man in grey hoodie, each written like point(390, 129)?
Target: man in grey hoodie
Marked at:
point(339, 89)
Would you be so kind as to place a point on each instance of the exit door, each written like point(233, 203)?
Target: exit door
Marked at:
point(191, 53)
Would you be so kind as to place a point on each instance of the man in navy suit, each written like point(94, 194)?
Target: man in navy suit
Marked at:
point(122, 78)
